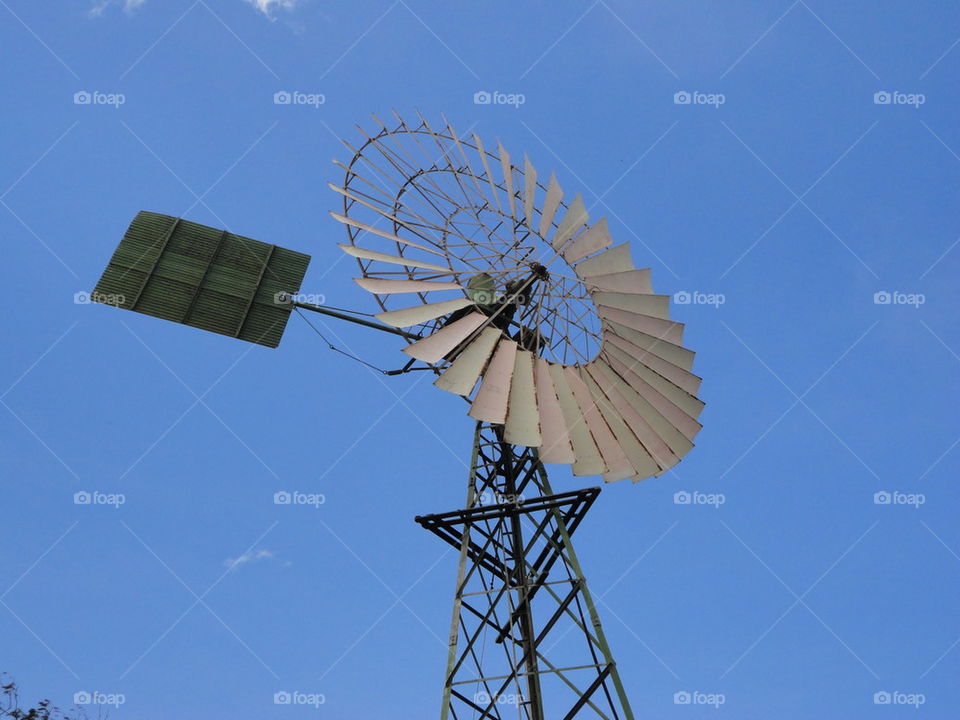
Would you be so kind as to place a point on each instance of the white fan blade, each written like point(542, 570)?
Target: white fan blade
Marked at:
point(380, 286)
point(587, 457)
point(613, 260)
point(641, 462)
point(435, 347)
point(490, 404)
point(415, 227)
point(654, 445)
point(507, 169)
point(393, 259)
point(407, 317)
point(667, 426)
point(523, 419)
point(550, 204)
point(657, 306)
point(556, 446)
point(629, 281)
point(389, 236)
point(615, 461)
point(486, 169)
point(653, 345)
point(462, 375)
point(686, 381)
point(575, 217)
point(596, 237)
point(529, 189)
point(663, 329)
point(625, 363)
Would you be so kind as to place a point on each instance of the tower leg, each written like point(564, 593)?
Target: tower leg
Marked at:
point(525, 637)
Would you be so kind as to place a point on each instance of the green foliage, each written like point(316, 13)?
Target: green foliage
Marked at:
point(10, 706)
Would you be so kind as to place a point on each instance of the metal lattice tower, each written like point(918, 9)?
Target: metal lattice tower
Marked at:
point(525, 637)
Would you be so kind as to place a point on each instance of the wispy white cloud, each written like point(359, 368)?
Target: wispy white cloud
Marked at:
point(234, 563)
point(268, 6)
point(128, 5)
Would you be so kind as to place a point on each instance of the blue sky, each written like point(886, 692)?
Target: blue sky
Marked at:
point(797, 199)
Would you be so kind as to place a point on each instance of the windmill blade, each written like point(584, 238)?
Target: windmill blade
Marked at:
point(667, 330)
point(523, 419)
point(653, 345)
point(435, 347)
point(657, 306)
point(575, 217)
point(529, 189)
point(612, 260)
point(507, 169)
point(461, 377)
point(641, 429)
point(664, 417)
point(682, 379)
point(587, 459)
point(616, 464)
point(629, 281)
point(556, 447)
point(389, 236)
point(550, 204)
point(625, 363)
point(597, 237)
point(486, 169)
point(490, 404)
point(393, 259)
point(415, 228)
point(641, 461)
point(384, 286)
point(408, 317)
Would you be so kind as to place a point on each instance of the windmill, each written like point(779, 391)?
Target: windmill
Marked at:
point(527, 310)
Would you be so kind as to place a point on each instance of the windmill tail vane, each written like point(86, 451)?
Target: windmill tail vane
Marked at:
point(517, 302)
